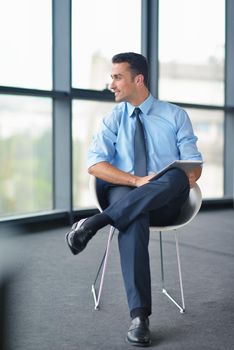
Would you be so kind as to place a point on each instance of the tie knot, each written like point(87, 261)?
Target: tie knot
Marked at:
point(137, 111)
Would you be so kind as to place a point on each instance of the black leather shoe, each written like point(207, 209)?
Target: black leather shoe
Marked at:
point(78, 237)
point(139, 333)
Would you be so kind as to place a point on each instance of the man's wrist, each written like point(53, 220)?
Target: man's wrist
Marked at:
point(133, 180)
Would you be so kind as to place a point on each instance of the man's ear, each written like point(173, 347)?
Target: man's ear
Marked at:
point(139, 79)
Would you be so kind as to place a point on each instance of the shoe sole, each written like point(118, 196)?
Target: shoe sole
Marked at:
point(74, 227)
point(142, 345)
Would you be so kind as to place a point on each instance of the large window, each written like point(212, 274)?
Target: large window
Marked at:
point(191, 70)
point(101, 29)
point(191, 51)
point(26, 43)
point(87, 116)
point(26, 155)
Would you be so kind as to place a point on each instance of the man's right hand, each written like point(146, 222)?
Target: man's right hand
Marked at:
point(140, 181)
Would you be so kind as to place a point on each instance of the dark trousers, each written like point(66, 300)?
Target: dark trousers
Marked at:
point(132, 211)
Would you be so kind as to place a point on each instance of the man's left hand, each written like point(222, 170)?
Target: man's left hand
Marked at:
point(194, 175)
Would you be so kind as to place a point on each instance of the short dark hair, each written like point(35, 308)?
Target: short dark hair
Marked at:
point(137, 62)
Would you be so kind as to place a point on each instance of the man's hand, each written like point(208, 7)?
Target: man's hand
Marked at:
point(192, 179)
point(194, 175)
point(140, 181)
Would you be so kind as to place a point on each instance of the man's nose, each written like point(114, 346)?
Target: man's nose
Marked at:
point(112, 85)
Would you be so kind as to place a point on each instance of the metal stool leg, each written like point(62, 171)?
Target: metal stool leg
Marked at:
point(103, 265)
point(181, 308)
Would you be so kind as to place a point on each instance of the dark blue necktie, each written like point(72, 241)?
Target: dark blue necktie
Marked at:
point(140, 161)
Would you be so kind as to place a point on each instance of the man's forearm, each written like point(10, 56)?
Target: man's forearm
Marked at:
point(109, 173)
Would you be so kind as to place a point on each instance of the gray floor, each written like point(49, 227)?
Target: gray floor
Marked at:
point(51, 306)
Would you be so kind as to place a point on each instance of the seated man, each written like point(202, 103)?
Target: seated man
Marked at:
point(137, 139)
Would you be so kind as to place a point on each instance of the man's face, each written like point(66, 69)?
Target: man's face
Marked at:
point(123, 83)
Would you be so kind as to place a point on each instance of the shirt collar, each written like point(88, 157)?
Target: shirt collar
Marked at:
point(144, 106)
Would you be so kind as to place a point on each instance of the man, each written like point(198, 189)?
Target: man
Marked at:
point(132, 198)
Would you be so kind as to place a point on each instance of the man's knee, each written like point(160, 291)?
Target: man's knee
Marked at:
point(177, 178)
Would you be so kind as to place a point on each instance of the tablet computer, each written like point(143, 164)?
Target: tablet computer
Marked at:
point(186, 165)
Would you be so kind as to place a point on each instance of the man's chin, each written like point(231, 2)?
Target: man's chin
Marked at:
point(119, 99)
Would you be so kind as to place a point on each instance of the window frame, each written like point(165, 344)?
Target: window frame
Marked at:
point(63, 94)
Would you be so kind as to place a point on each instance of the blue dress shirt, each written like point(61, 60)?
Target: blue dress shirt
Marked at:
point(168, 132)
